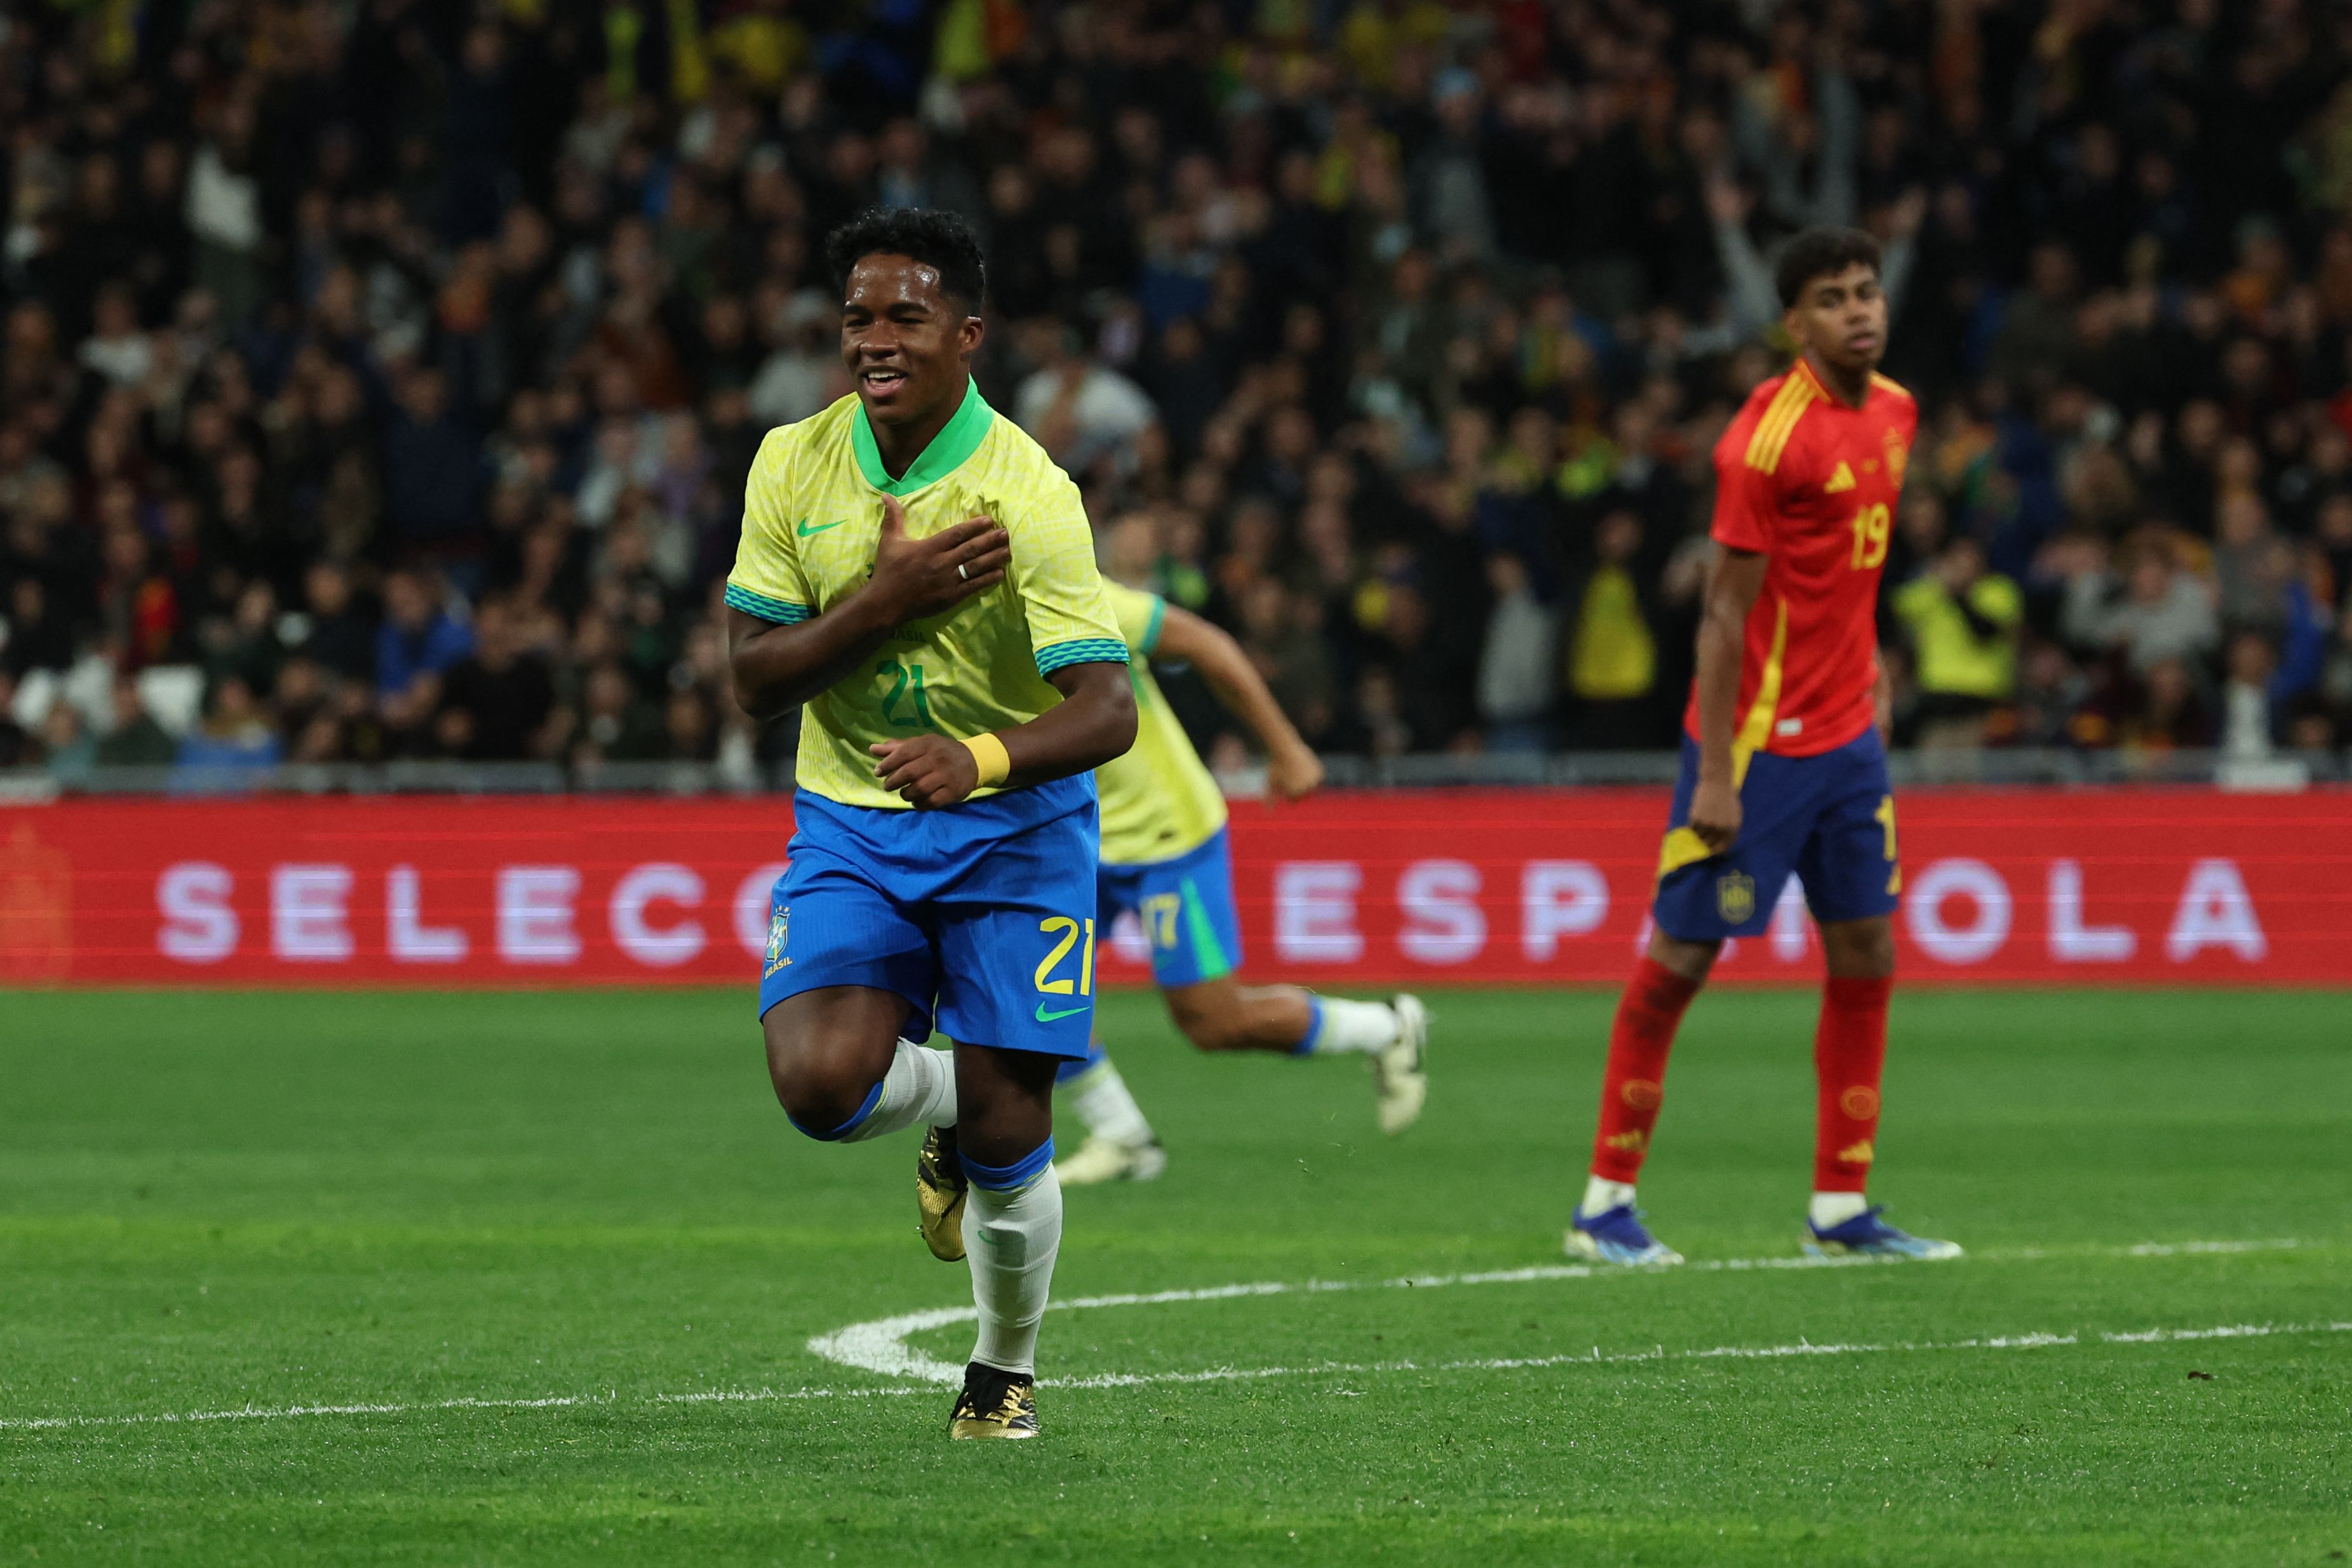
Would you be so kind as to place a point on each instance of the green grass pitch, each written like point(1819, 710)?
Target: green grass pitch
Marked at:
point(446, 1207)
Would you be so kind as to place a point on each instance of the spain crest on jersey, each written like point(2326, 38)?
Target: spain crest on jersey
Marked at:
point(780, 924)
point(1898, 456)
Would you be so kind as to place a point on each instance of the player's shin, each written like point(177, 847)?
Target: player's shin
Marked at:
point(919, 1091)
point(1849, 1054)
point(1634, 1084)
point(1012, 1229)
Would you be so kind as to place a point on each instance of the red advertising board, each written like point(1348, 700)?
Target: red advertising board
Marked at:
point(1369, 889)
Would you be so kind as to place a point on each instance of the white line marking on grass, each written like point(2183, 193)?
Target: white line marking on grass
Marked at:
point(880, 1345)
point(1207, 1374)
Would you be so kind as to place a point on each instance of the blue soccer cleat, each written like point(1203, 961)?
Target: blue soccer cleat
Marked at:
point(1867, 1236)
point(1617, 1235)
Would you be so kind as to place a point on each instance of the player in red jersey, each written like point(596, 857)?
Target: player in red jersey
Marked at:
point(1784, 765)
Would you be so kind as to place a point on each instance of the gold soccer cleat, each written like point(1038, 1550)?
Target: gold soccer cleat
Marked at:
point(939, 1189)
point(994, 1405)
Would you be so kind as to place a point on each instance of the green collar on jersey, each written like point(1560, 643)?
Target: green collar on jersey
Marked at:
point(957, 440)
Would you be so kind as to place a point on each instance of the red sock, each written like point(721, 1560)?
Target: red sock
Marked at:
point(1635, 1084)
point(1849, 1051)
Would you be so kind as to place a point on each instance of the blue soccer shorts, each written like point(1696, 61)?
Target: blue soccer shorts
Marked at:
point(1829, 818)
point(981, 915)
point(1185, 904)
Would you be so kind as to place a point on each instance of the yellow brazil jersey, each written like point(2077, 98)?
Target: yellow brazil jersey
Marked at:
point(811, 519)
point(1159, 801)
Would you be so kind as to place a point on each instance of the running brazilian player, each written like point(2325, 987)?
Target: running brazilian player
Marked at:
point(1784, 768)
point(917, 572)
point(1165, 858)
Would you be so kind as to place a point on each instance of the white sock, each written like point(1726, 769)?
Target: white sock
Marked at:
point(1352, 1026)
point(918, 1090)
point(1100, 1097)
point(1011, 1238)
point(1601, 1195)
point(1830, 1208)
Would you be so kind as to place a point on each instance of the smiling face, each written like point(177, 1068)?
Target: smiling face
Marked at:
point(1841, 319)
point(906, 340)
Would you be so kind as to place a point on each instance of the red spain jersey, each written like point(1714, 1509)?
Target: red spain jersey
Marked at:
point(1810, 483)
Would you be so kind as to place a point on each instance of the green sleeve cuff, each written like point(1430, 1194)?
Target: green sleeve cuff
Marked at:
point(783, 612)
point(1151, 627)
point(1082, 650)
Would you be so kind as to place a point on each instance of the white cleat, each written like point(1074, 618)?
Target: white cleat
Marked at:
point(1101, 1159)
point(1397, 1072)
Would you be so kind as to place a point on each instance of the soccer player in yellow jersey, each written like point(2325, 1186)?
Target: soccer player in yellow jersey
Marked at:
point(1165, 858)
point(919, 574)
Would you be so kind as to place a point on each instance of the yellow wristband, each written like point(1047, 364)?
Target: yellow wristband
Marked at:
point(989, 753)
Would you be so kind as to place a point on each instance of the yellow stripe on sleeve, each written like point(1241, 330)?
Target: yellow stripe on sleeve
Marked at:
point(1758, 729)
point(1780, 423)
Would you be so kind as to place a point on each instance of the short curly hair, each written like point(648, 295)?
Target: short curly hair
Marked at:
point(937, 238)
point(1821, 252)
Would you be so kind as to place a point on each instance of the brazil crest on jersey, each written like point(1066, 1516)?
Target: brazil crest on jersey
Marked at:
point(1160, 800)
point(1810, 483)
point(812, 519)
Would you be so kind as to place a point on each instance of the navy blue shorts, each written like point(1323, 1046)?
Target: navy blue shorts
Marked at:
point(1829, 818)
point(1185, 904)
point(981, 915)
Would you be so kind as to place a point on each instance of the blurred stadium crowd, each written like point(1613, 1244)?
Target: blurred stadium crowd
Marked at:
point(381, 375)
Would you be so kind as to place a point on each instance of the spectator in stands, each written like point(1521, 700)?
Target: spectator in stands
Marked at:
point(2157, 614)
point(2248, 721)
point(498, 702)
point(1962, 622)
point(235, 737)
point(1612, 655)
point(134, 739)
point(419, 638)
point(1516, 667)
point(338, 637)
point(1080, 409)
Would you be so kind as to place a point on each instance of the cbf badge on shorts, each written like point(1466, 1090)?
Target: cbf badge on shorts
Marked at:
point(780, 925)
point(1735, 896)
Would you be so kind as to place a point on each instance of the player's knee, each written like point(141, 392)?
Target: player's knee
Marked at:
point(821, 1089)
point(1861, 950)
point(1691, 960)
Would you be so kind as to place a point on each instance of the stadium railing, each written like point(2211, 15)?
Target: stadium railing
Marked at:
point(2017, 768)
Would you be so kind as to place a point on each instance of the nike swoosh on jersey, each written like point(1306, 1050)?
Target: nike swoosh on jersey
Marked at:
point(806, 531)
point(1045, 1017)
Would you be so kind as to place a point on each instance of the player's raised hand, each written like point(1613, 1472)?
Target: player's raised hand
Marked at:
point(1714, 814)
point(929, 771)
point(933, 575)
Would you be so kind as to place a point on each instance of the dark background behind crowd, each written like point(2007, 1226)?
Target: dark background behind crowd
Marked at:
point(381, 375)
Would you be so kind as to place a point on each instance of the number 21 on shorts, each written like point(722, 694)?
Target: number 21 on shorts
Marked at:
point(1071, 932)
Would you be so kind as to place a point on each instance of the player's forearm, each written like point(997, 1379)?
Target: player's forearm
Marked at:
point(1093, 724)
point(1231, 679)
point(1720, 643)
point(777, 668)
point(1735, 580)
